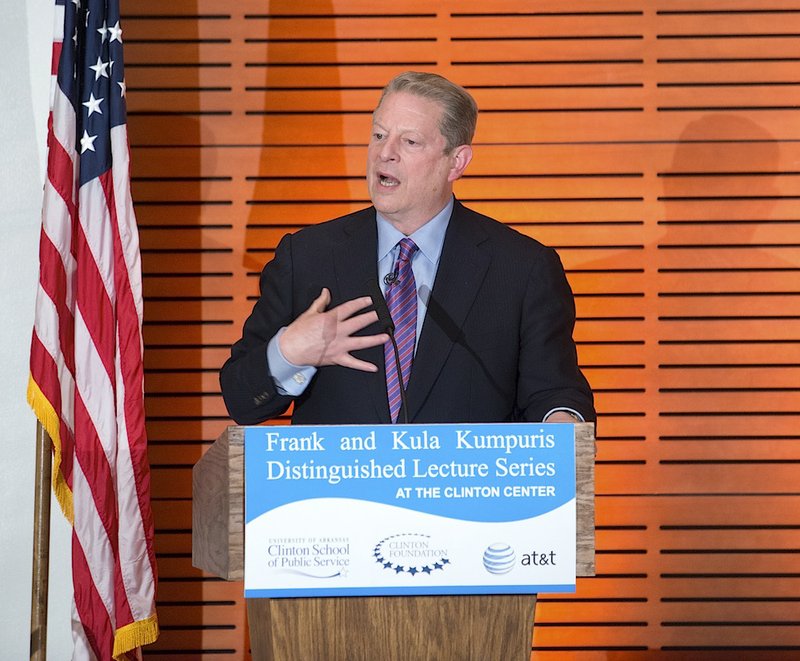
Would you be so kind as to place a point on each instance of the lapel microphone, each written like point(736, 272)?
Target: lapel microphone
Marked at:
point(390, 279)
point(387, 326)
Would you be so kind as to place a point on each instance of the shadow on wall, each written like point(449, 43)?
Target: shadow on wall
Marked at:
point(724, 171)
point(282, 202)
point(167, 189)
point(275, 208)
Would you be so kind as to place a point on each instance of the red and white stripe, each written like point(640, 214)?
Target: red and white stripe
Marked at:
point(87, 388)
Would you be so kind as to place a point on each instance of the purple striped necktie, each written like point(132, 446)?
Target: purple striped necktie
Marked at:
point(401, 299)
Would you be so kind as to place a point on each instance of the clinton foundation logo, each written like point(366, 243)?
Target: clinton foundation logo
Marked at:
point(412, 554)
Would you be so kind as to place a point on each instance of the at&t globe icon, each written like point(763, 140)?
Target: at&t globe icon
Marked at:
point(499, 558)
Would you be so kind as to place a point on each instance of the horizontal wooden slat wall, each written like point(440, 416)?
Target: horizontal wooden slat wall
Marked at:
point(655, 144)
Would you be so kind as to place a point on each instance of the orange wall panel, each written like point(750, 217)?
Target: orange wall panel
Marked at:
point(653, 144)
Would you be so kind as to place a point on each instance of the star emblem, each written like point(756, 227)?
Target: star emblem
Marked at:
point(115, 33)
point(93, 105)
point(87, 142)
point(100, 69)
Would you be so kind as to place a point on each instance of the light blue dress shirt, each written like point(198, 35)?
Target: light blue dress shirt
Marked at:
point(429, 239)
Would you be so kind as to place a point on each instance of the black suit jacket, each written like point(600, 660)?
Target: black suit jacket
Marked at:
point(496, 344)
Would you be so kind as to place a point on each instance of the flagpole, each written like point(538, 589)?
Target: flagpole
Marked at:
point(41, 545)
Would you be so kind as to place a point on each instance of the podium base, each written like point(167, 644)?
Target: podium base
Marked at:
point(434, 628)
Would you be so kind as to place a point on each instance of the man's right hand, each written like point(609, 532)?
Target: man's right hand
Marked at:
point(325, 337)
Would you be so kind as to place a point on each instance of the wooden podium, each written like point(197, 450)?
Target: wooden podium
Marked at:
point(438, 628)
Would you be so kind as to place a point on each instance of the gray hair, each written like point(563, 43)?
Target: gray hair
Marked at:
point(459, 110)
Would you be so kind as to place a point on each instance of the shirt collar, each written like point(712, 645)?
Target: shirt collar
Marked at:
point(429, 238)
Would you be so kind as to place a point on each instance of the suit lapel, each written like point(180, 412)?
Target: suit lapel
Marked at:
point(355, 266)
point(461, 271)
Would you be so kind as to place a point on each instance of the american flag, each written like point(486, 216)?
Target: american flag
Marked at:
point(86, 382)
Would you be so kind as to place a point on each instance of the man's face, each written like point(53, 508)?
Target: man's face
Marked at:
point(409, 176)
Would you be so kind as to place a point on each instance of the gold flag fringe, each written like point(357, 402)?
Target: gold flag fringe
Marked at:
point(135, 634)
point(51, 422)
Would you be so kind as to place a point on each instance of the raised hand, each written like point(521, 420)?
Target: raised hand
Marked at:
point(325, 337)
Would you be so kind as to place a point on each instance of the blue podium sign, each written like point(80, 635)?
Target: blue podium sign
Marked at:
point(409, 509)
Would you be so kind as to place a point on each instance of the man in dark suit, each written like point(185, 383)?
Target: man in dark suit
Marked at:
point(490, 336)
